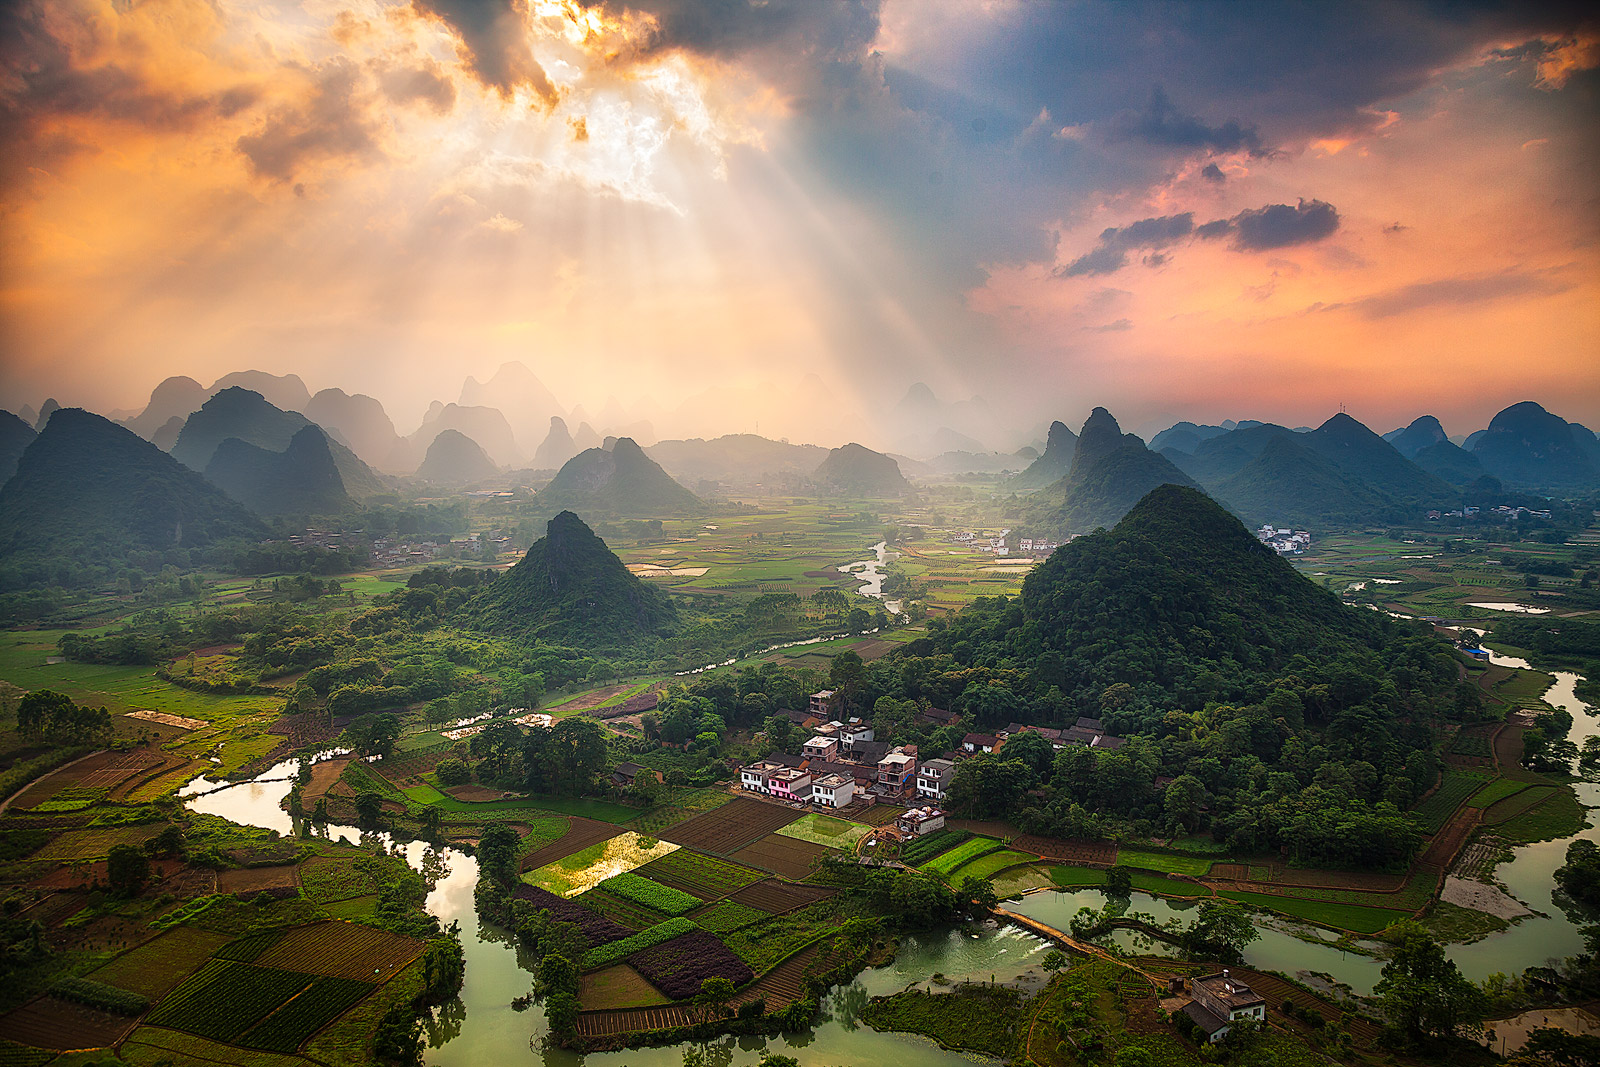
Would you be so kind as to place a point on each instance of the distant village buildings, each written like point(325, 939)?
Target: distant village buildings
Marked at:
point(1284, 541)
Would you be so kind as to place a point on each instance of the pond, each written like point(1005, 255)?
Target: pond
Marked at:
point(1274, 949)
point(480, 1027)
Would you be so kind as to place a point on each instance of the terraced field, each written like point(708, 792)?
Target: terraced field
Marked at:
point(703, 876)
point(776, 898)
point(783, 856)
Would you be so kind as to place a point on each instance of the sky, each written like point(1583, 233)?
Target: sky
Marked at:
point(774, 217)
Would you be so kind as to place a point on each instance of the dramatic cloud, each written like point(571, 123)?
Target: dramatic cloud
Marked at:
point(1213, 173)
point(1275, 226)
point(332, 125)
point(1161, 123)
point(494, 35)
point(1253, 230)
point(1111, 254)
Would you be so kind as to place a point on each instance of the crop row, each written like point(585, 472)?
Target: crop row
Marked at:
point(94, 994)
point(923, 849)
point(728, 915)
point(224, 999)
point(962, 853)
point(705, 876)
point(1455, 787)
point(655, 935)
point(287, 1028)
point(597, 929)
point(679, 966)
point(665, 899)
point(246, 949)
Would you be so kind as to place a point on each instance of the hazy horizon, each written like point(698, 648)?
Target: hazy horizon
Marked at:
point(775, 218)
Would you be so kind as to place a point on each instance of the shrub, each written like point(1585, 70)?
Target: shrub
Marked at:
point(452, 772)
point(100, 995)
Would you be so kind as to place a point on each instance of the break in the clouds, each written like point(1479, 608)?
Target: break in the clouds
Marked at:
point(707, 207)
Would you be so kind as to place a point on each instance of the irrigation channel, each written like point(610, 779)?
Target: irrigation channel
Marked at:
point(481, 1027)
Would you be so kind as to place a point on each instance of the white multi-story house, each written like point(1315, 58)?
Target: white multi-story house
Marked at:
point(933, 778)
point(833, 790)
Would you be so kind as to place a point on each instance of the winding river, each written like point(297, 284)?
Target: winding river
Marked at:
point(480, 1027)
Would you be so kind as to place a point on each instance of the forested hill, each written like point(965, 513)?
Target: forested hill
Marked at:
point(571, 589)
point(1252, 703)
point(1180, 603)
point(88, 492)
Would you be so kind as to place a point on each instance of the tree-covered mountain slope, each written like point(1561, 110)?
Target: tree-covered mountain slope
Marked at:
point(571, 589)
point(88, 492)
point(1053, 464)
point(303, 479)
point(622, 480)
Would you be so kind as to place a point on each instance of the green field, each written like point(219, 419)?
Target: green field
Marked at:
point(1456, 786)
point(827, 831)
point(1163, 863)
point(1076, 877)
point(963, 853)
point(1496, 790)
point(992, 864)
point(1339, 916)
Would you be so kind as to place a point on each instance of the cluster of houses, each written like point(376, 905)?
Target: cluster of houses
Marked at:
point(1038, 546)
point(1284, 541)
point(842, 763)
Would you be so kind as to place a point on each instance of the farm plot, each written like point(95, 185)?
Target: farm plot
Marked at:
point(59, 1024)
point(1164, 862)
point(293, 1024)
point(826, 831)
point(584, 870)
point(707, 877)
point(775, 897)
point(247, 949)
point(342, 950)
point(581, 833)
point(962, 854)
point(654, 895)
point(1456, 786)
point(1518, 803)
point(727, 915)
point(158, 965)
point(677, 967)
point(783, 856)
point(607, 954)
point(326, 879)
point(988, 866)
point(921, 850)
point(224, 999)
point(95, 842)
point(617, 987)
point(619, 910)
point(249, 881)
point(1066, 851)
point(881, 814)
point(153, 1046)
point(596, 925)
point(733, 826)
point(1495, 791)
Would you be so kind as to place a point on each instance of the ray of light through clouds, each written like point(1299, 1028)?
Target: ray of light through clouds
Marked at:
point(731, 213)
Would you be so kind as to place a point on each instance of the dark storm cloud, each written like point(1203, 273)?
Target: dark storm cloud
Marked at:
point(1253, 230)
point(1111, 254)
point(332, 125)
point(732, 28)
point(1275, 226)
point(496, 42)
point(1161, 123)
point(1213, 173)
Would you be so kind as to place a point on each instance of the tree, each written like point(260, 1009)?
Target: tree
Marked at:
point(1422, 992)
point(369, 809)
point(1134, 1056)
point(1119, 881)
point(978, 897)
point(988, 785)
point(1550, 1047)
point(127, 869)
point(1185, 800)
point(452, 772)
point(1034, 751)
point(1055, 960)
point(712, 1000)
point(1222, 928)
point(497, 853)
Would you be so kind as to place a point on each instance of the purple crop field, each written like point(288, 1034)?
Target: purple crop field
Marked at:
point(677, 967)
point(596, 928)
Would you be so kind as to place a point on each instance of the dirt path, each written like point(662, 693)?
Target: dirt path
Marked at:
point(6, 803)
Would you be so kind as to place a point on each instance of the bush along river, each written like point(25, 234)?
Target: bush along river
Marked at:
point(481, 1026)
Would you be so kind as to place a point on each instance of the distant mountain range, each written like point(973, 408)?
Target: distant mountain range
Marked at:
point(1110, 473)
point(1053, 464)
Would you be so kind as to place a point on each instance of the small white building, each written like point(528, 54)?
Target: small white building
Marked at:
point(1220, 1001)
point(833, 790)
point(933, 778)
